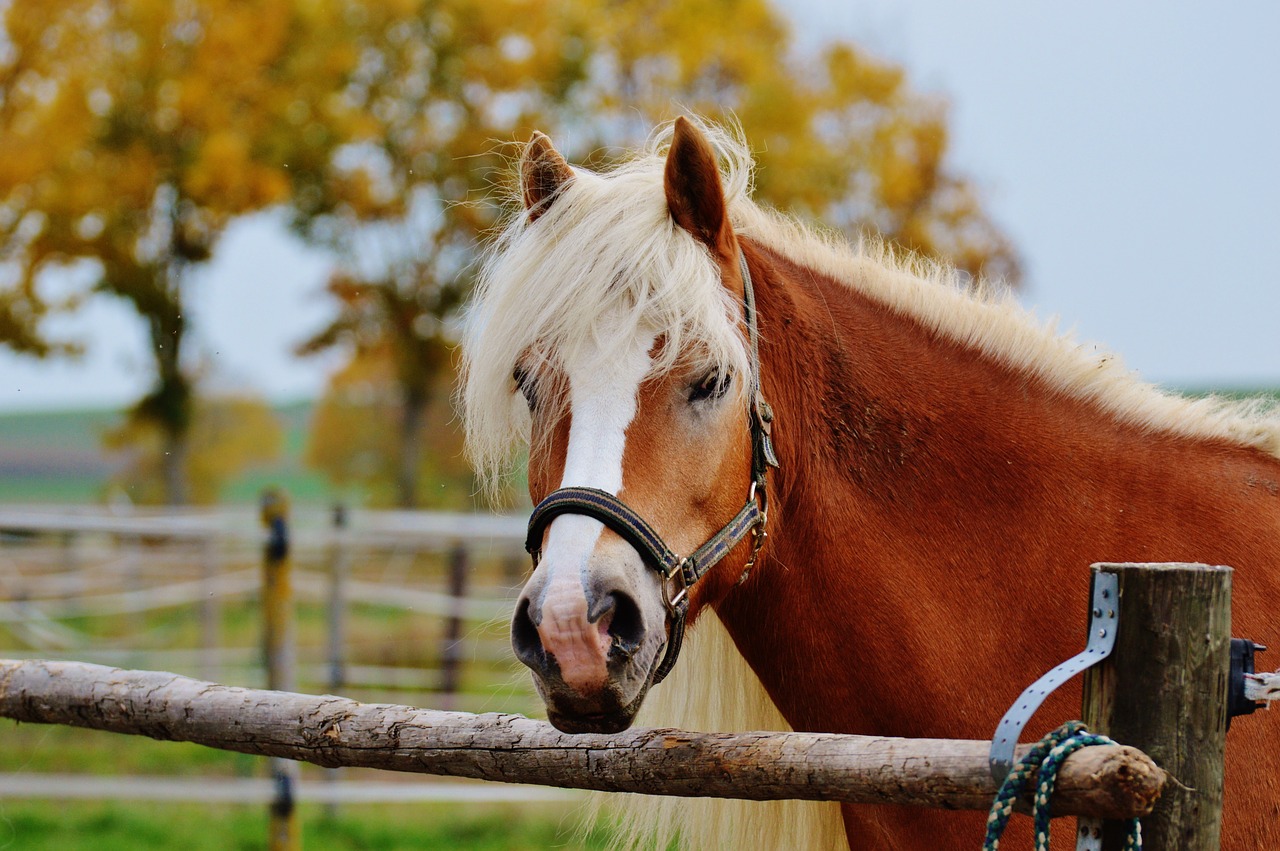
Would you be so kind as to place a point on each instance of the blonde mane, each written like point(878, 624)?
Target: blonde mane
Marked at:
point(607, 248)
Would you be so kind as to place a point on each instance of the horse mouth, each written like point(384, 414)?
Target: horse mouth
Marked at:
point(604, 722)
point(605, 714)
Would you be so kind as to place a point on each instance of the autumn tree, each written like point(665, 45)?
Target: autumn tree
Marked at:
point(228, 433)
point(841, 137)
point(133, 131)
point(356, 437)
point(441, 81)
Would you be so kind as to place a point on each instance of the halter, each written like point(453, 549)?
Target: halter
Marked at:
point(679, 573)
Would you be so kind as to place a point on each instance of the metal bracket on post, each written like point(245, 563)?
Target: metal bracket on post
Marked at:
point(1102, 638)
point(1242, 700)
point(1103, 618)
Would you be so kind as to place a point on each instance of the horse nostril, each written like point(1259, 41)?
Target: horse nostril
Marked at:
point(626, 628)
point(524, 636)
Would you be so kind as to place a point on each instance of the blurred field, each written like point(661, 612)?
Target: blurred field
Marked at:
point(57, 457)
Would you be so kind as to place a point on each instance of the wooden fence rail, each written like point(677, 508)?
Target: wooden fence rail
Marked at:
point(1106, 782)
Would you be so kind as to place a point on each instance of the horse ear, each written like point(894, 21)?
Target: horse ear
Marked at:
point(543, 173)
point(695, 196)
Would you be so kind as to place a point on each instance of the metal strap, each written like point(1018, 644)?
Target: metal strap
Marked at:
point(1102, 638)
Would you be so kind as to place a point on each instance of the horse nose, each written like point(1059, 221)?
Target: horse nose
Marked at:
point(525, 640)
point(570, 633)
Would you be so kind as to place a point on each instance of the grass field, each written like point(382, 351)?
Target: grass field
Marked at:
point(57, 457)
point(80, 826)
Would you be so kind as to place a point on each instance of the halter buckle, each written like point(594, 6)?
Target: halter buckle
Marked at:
point(672, 602)
point(759, 495)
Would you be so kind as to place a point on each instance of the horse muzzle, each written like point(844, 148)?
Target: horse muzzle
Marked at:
point(592, 638)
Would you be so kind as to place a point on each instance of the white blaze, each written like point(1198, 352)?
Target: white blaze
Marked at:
point(603, 396)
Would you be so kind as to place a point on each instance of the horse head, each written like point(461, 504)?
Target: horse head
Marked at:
point(615, 306)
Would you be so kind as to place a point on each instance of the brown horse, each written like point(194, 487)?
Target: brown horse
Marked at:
point(946, 471)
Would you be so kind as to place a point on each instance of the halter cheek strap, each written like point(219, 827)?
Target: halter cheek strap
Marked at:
point(680, 573)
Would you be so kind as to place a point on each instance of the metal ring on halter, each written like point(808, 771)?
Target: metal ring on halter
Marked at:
point(671, 602)
point(758, 494)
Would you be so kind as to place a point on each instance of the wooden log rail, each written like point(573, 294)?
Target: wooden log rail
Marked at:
point(1107, 782)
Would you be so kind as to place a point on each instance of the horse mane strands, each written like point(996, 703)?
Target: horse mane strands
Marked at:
point(989, 319)
point(713, 689)
point(602, 263)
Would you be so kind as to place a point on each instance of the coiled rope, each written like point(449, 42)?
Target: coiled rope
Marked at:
point(1043, 761)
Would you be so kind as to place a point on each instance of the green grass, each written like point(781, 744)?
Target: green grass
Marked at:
point(72, 826)
point(75, 429)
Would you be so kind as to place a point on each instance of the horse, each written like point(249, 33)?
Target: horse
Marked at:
point(920, 472)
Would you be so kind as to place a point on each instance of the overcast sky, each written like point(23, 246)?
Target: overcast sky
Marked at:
point(1132, 151)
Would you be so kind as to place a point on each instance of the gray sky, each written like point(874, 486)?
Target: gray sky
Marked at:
point(1132, 151)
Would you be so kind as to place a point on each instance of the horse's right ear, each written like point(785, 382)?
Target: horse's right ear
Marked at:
point(695, 196)
point(543, 173)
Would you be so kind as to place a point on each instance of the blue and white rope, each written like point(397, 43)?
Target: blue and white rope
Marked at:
point(1043, 760)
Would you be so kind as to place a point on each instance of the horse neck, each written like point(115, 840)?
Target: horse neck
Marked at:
point(930, 499)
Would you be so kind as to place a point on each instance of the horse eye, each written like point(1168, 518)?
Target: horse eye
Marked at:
point(524, 381)
point(712, 386)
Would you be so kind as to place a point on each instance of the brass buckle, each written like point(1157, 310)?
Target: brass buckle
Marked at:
point(759, 495)
point(669, 600)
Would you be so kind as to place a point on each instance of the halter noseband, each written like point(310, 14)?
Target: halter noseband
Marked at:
point(680, 573)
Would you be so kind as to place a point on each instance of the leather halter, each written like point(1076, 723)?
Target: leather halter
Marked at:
point(680, 573)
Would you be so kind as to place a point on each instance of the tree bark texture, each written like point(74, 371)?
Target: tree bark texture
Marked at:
point(1108, 782)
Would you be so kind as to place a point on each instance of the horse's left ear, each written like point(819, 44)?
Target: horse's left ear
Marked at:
point(543, 173)
point(695, 196)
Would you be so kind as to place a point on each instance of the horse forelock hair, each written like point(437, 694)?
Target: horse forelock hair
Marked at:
point(603, 263)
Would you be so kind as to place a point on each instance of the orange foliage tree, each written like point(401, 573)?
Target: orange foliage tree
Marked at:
point(442, 81)
point(841, 137)
point(355, 437)
point(228, 433)
point(132, 131)
point(843, 140)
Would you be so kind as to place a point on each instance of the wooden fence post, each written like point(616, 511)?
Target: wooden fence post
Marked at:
point(1163, 690)
point(210, 610)
point(279, 656)
point(339, 561)
point(339, 558)
point(451, 652)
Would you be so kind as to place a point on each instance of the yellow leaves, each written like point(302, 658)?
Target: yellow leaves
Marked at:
point(225, 175)
point(354, 435)
point(853, 73)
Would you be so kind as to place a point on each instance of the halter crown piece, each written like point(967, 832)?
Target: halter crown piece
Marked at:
point(680, 573)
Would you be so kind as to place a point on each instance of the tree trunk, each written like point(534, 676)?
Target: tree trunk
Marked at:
point(409, 449)
point(173, 466)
